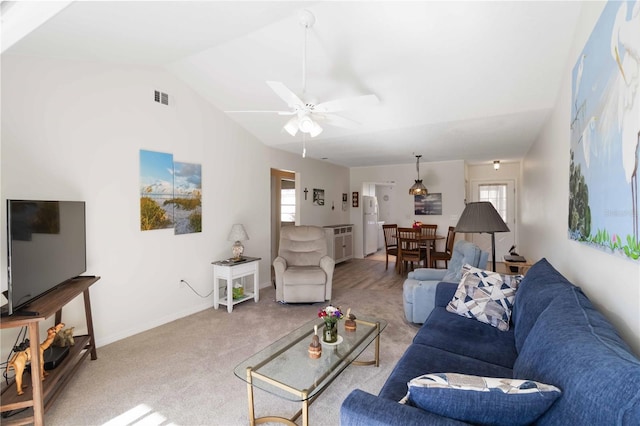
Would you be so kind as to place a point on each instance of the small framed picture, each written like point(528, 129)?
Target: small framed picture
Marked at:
point(318, 197)
point(344, 197)
point(354, 199)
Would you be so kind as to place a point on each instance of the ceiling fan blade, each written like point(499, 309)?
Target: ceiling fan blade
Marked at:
point(337, 121)
point(292, 100)
point(347, 104)
point(271, 112)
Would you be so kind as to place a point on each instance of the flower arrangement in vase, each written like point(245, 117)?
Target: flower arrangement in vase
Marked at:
point(331, 315)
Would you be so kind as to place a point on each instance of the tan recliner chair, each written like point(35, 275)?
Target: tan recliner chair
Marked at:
point(304, 272)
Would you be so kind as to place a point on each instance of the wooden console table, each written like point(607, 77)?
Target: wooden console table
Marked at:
point(40, 395)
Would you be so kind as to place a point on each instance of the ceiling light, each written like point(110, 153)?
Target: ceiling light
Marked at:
point(292, 126)
point(306, 124)
point(418, 188)
point(496, 165)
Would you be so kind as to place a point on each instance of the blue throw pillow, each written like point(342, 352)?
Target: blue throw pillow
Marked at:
point(481, 400)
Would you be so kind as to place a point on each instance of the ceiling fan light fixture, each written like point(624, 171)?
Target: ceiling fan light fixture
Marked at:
point(305, 124)
point(292, 126)
point(315, 130)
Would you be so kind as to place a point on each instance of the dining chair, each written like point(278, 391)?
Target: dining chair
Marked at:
point(428, 230)
point(390, 242)
point(448, 250)
point(409, 248)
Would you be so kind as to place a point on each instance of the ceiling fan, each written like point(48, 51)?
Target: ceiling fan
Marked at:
point(306, 115)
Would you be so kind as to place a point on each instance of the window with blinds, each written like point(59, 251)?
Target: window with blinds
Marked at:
point(496, 194)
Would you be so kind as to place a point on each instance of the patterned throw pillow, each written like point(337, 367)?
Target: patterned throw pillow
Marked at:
point(485, 296)
point(481, 400)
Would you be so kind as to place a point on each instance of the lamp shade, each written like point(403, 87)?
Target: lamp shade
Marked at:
point(481, 217)
point(418, 188)
point(237, 233)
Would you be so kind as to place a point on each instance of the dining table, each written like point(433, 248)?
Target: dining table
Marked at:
point(425, 242)
point(429, 242)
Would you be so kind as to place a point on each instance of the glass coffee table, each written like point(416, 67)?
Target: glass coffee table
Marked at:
point(285, 369)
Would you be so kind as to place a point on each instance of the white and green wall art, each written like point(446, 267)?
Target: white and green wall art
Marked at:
point(605, 134)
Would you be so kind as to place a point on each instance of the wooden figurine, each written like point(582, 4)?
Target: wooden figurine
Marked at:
point(20, 359)
point(315, 348)
point(350, 322)
point(64, 338)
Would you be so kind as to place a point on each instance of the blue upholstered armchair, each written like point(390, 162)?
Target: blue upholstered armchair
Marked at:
point(419, 289)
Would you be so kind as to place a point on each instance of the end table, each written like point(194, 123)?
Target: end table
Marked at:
point(229, 270)
point(522, 267)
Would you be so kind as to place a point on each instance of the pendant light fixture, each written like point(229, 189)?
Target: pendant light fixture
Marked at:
point(418, 188)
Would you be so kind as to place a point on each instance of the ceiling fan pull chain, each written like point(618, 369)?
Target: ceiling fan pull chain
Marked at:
point(304, 145)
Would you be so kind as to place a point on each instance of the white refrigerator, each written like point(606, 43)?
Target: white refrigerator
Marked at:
point(370, 224)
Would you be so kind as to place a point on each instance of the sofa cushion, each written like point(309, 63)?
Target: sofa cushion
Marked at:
point(485, 296)
point(420, 359)
point(456, 334)
point(304, 275)
point(444, 292)
point(481, 400)
point(536, 290)
point(574, 347)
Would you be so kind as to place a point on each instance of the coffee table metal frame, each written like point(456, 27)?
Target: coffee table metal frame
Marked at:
point(295, 344)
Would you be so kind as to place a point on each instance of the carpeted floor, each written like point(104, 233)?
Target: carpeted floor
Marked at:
point(182, 373)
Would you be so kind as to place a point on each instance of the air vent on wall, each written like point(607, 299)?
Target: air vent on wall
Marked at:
point(161, 97)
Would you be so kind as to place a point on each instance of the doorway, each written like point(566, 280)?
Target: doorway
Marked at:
point(283, 205)
point(502, 195)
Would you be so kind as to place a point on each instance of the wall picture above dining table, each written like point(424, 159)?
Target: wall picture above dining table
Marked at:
point(430, 204)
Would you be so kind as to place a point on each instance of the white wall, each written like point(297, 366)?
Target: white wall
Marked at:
point(612, 283)
point(74, 131)
point(446, 177)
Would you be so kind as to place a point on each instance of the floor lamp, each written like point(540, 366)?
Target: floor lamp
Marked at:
point(482, 217)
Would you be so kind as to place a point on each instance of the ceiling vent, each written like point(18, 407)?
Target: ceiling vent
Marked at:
point(160, 97)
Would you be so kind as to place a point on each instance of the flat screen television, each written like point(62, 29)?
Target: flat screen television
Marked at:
point(46, 247)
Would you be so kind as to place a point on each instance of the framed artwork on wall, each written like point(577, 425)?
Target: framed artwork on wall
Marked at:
point(170, 193)
point(354, 199)
point(318, 197)
point(430, 204)
point(605, 136)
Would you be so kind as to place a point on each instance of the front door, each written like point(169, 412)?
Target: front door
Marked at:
point(502, 195)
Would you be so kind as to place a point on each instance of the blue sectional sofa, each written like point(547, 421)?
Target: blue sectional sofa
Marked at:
point(419, 289)
point(557, 337)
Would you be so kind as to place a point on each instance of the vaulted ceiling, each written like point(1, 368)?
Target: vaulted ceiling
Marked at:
point(456, 80)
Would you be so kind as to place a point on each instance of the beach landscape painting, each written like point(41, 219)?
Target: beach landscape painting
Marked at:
point(170, 193)
point(187, 197)
point(156, 190)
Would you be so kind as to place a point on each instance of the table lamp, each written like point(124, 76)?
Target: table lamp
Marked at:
point(237, 234)
point(482, 217)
